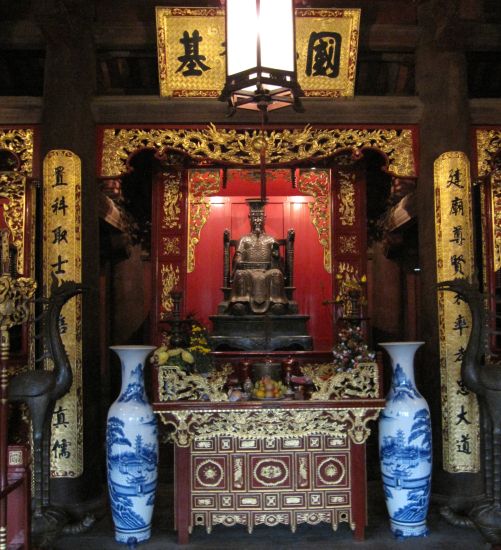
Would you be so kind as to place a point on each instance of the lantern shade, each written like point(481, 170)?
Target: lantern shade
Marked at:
point(260, 54)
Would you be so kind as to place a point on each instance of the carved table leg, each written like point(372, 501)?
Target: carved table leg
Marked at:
point(183, 493)
point(359, 490)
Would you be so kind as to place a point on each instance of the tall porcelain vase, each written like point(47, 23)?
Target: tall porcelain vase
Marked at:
point(405, 446)
point(132, 450)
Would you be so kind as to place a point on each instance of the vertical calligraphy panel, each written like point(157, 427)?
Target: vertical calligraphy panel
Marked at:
point(455, 259)
point(62, 257)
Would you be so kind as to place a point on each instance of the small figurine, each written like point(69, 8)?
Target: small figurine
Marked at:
point(248, 387)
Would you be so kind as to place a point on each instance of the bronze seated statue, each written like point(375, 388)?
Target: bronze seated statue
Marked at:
point(261, 280)
point(258, 311)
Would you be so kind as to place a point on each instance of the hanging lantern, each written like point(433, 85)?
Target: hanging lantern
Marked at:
point(260, 55)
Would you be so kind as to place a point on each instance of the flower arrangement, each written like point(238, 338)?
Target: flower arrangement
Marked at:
point(195, 357)
point(351, 349)
point(199, 347)
point(178, 357)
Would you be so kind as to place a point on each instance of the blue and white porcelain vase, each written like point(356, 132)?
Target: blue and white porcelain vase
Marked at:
point(405, 446)
point(132, 450)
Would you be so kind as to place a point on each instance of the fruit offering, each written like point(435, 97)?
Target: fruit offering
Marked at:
point(266, 388)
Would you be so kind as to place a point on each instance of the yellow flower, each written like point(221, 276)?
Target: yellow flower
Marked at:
point(160, 356)
point(186, 356)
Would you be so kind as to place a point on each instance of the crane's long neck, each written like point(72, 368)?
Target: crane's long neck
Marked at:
point(55, 347)
point(473, 354)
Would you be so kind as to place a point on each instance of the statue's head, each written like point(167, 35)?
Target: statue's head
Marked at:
point(256, 215)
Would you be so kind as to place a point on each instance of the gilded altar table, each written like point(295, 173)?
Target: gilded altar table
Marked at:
point(277, 462)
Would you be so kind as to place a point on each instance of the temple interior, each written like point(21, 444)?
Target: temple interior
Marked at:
point(251, 260)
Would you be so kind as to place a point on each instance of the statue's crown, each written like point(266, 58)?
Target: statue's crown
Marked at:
point(256, 206)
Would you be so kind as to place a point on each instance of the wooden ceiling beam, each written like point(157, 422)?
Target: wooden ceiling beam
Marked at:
point(141, 35)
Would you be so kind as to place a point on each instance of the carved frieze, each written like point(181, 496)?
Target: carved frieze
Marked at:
point(244, 147)
point(268, 423)
point(20, 142)
point(317, 184)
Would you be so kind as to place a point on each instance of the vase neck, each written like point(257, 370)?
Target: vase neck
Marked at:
point(133, 360)
point(402, 360)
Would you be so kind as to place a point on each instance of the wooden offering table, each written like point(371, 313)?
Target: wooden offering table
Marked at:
point(270, 462)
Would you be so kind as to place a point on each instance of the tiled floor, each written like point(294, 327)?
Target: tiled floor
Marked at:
point(378, 536)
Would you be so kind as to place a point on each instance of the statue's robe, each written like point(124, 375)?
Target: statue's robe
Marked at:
point(258, 280)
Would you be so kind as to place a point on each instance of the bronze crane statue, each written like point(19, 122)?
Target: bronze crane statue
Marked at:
point(485, 381)
point(40, 389)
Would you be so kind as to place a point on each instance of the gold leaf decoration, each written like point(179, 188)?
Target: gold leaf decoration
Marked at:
point(190, 424)
point(201, 184)
point(488, 145)
point(170, 278)
point(20, 142)
point(346, 197)
point(348, 244)
point(243, 147)
point(13, 188)
point(171, 246)
point(317, 184)
point(172, 201)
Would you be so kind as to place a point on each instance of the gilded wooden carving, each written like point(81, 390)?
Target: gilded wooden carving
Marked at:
point(268, 423)
point(13, 188)
point(171, 246)
point(174, 384)
point(20, 142)
point(317, 184)
point(361, 382)
point(454, 241)
point(201, 185)
point(496, 220)
point(327, 47)
point(63, 258)
point(179, 75)
point(346, 198)
point(488, 146)
point(243, 147)
point(347, 279)
point(348, 244)
point(170, 276)
point(191, 51)
point(172, 201)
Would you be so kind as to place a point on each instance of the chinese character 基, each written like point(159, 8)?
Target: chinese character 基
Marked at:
point(324, 52)
point(192, 63)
